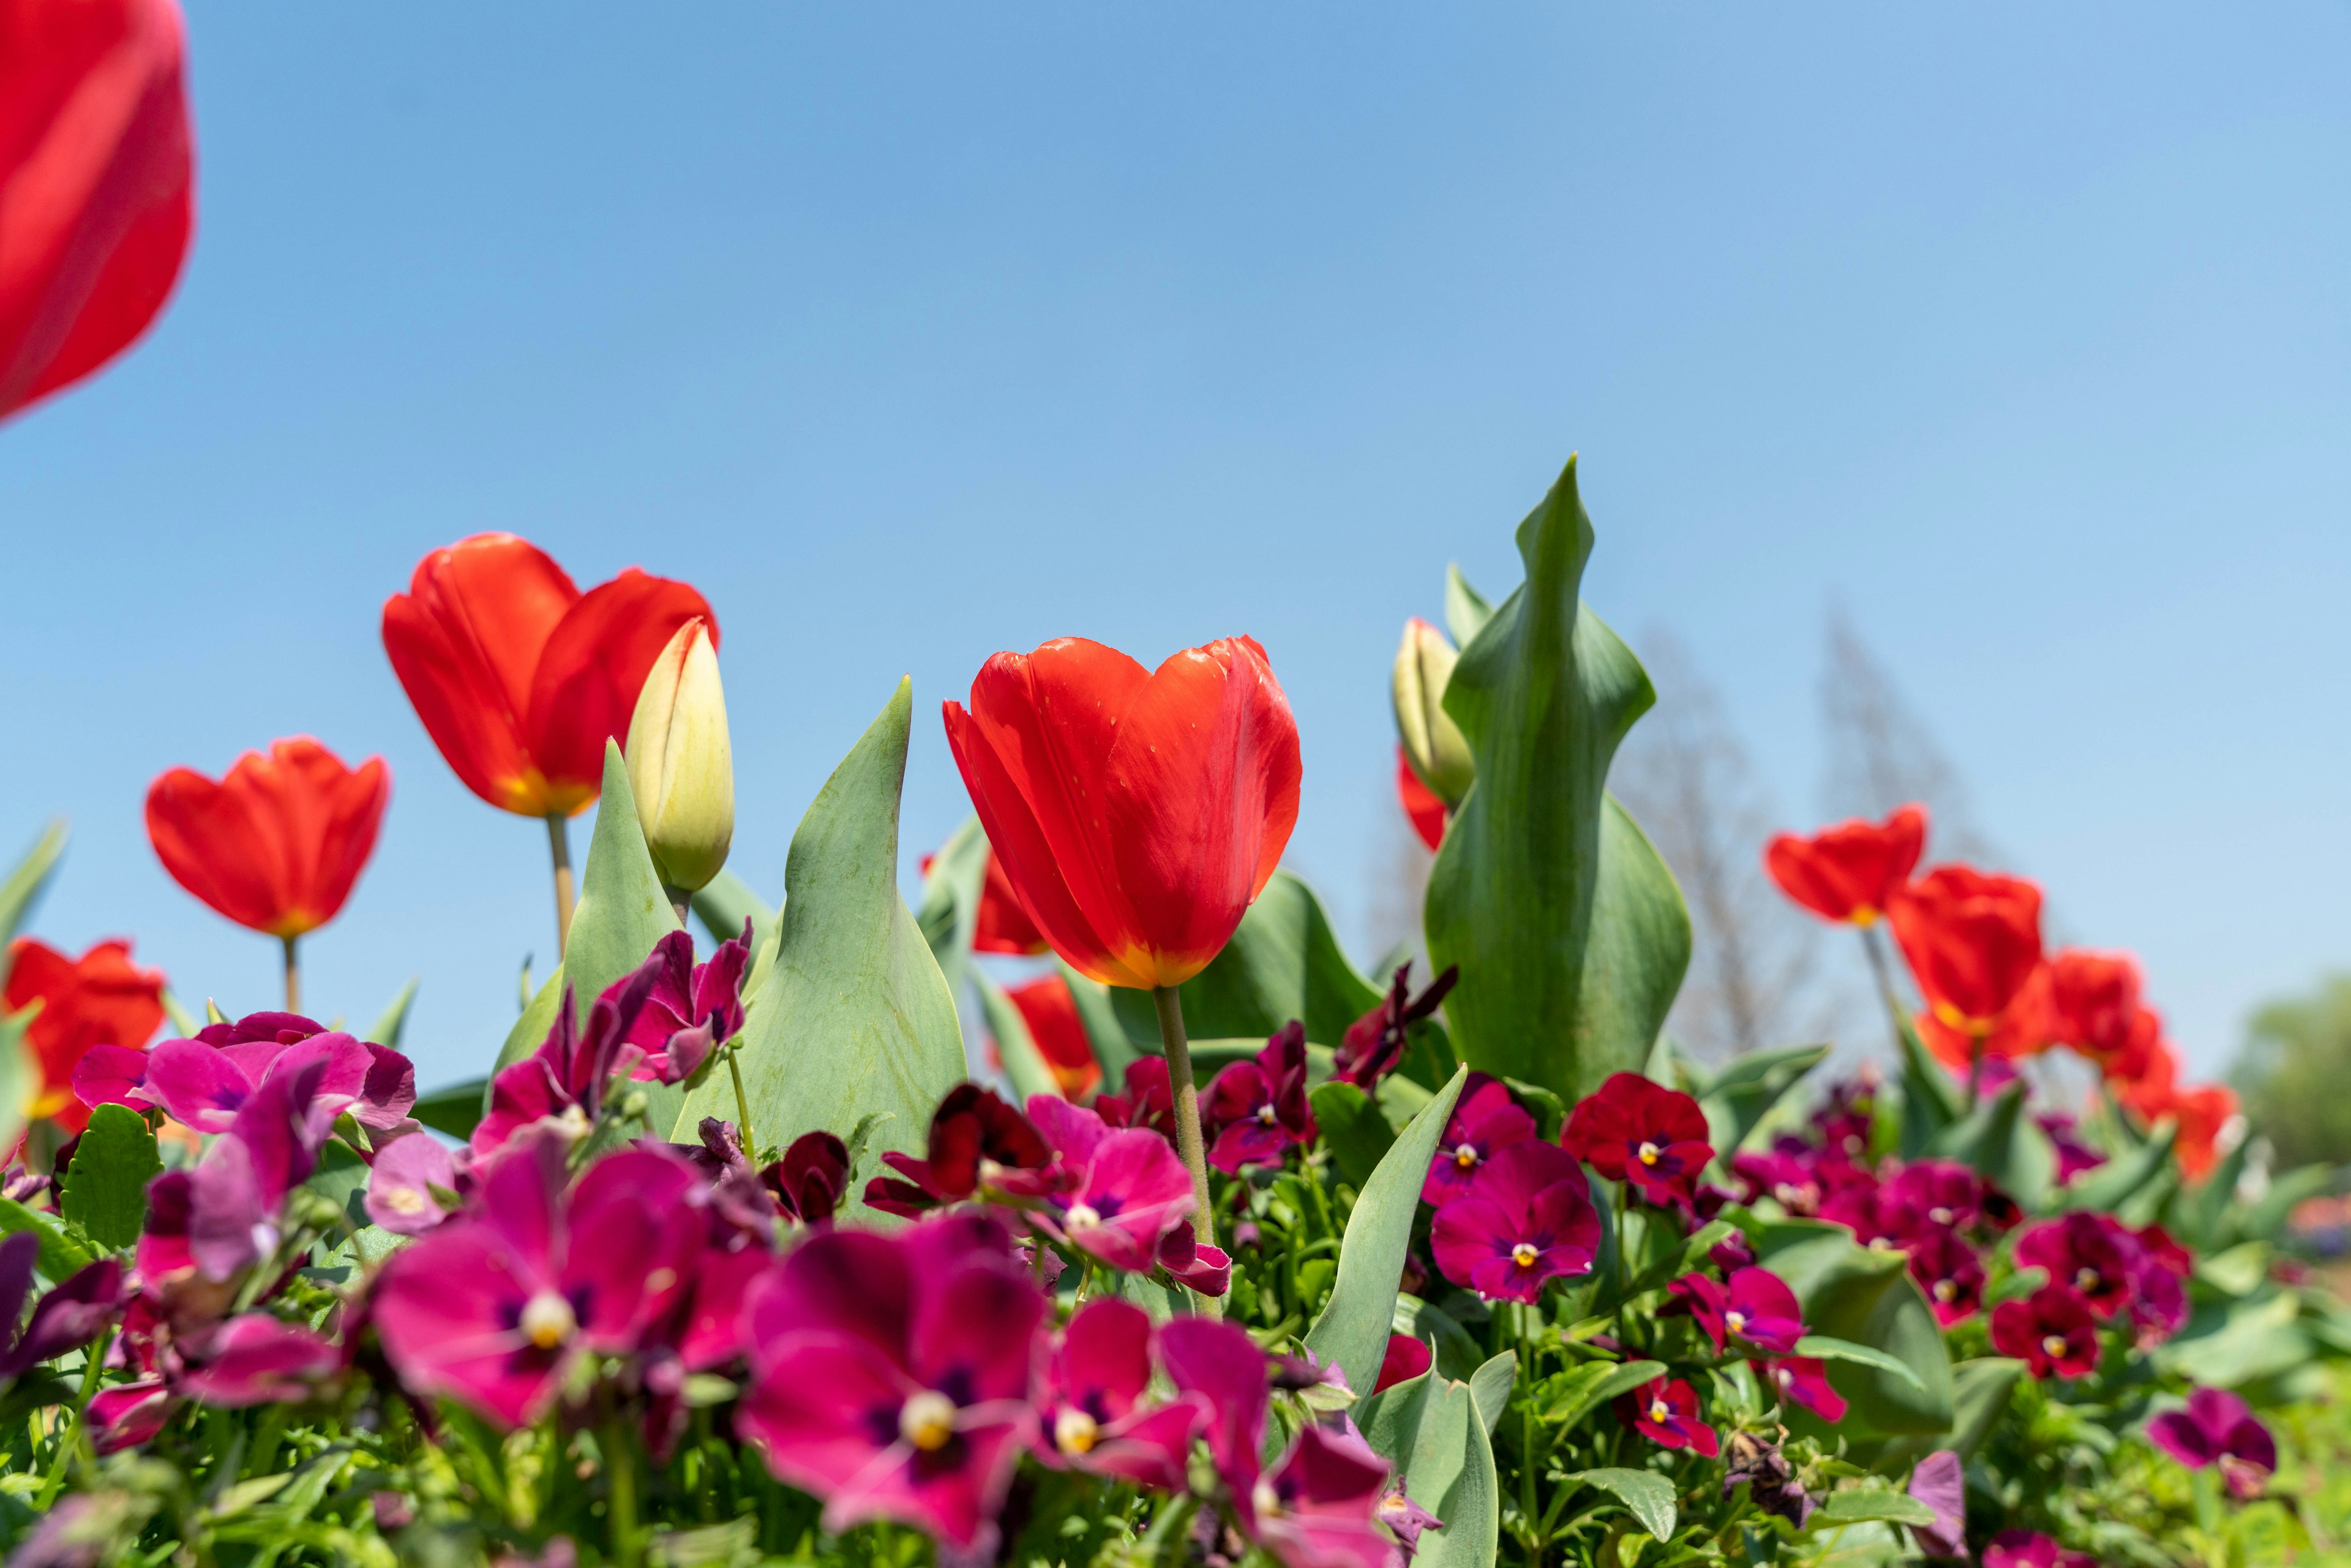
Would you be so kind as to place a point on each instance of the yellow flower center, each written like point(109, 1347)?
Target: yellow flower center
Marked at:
point(1074, 1431)
point(1659, 1410)
point(1648, 1152)
point(1525, 1254)
point(2053, 1345)
point(404, 1200)
point(1081, 1216)
point(548, 1321)
point(927, 1420)
point(1945, 1290)
point(1465, 1155)
point(1735, 1321)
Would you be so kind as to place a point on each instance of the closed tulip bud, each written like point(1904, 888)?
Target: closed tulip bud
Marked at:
point(681, 768)
point(1433, 744)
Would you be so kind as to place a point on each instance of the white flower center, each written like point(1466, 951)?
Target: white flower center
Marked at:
point(1939, 1214)
point(1465, 1155)
point(546, 1321)
point(1267, 1501)
point(2086, 1278)
point(1081, 1216)
point(405, 1201)
point(927, 1420)
point(1659, 1410)
point(1648, 1152)
point(1945, 1290)
point(1265, 1115)
point(1525, 1254)
point(2053, 1345)
point(1736, 1321)
point(1074, 1431)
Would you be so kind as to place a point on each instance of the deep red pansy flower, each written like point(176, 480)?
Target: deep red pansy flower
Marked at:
point(1951, 1274)
point(1375, 1044)
point(97, 184)
point(1664, 1411)
point(520, 677)
point(1972, 941)
point(1754, 1307)
point(2091, 1252)
point(1136, 812)
point(1147, 1100)
point(1800, 1380)
point(973, 1134)
point(1406, 1358)
point(1631, 1130)
point(98, 999)
point(275, 844)
point(1485, 1121)
point(1847, 872)
point(1256, 1109)
point(2052, 1331)
point(2218, 1428)
point(1122, 1196)
point(1092, 1407)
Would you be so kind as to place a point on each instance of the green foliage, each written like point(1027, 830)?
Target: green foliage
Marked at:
point(1283, 963)
point(392, 1023)
point(2006, 1145)
point(725, 903)
point(1866, 1297)
point(1434, 1430)
point(1569, 931)
point(26, 881)
point(1353, 1130)
point(1736, 1099)
point(1024, 1064)
point(950, 912)
point(105, 1188)
point(2291, 1071)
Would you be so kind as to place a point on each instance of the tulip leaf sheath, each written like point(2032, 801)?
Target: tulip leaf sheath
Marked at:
point(25, 883)
point(951, 897)
point(854, 1019)
point(623, 909)
point(1570, 935)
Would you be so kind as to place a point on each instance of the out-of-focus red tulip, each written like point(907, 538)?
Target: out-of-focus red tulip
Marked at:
point(518, 677)
point(1052, 1015)
point(1136, 812)
point(98, 999)
point(96, 183)
point(2093, 1001)
point(1002, 925)
point(277, 843)
point(1973, 942)
point(2024, 1028)
point(2201, 1110)
point(1847, 872)
point(1421, 803)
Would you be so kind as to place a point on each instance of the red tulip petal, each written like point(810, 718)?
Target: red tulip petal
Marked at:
point(278, 843)
point(593, 666)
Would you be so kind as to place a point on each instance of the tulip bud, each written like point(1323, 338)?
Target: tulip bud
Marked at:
point(1433, 744)
point(681, 768)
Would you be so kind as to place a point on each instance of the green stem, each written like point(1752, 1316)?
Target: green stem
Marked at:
point(742, 1104)
point(293, 976)
point(75, 1440)
point(1877, 951)
point(559, 848)
point(1528, 1461)
point(1170, 1006)
point(620, 1488)
point(1623, 1264)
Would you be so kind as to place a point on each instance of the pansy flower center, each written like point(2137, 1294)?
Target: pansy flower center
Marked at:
point(1074, 1431)
point(1945, 1290)
point(1081, 1216)
point(1525, 1254)
point(404, 1200)
point(546, 1321)
point(1648, 1152)
point(2085, 1278)
point(1659, 1410)
point(1735, 1320)
point(927, 1420)
point(2053, 1345)
point(1787, 1378)
point(1941, 1215)
point(1267, 1501)
point(1465, 1154)
point(1266, 1114)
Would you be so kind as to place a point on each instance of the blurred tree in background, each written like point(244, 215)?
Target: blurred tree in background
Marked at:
point(2294, 1071)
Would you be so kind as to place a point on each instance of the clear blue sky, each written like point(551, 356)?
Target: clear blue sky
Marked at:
point(910, 332)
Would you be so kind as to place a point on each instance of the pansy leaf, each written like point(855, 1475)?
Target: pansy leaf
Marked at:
point(1825, 1347)
point(1736, 1099)
point(25, 882)
point(1650, 1496)
point(1352, 1129)
point(105, 1187)
point(1587, 1387)
point(855, 1017)
point(726, 902)
point(1575, 982)
point(1865, 1296)
point(1283, 962)
point(455, 1110)
point(61, 1252)
point(1024, 1064)
point(1352, 1329)
point(393, 1022)
point(1858, 1505)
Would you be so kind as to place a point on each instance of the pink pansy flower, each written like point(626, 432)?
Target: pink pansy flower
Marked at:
point(129, 1414)
point(202, 1081)
point(1218, 1362)
point(891, 1375)
point(692, 1009)
point(1666, 1412)
point(1785, 1177)
point(1942, 1194)
point(1941, 1482)
point(565, 1079)
point(1091, 1405)
point(1755, 1307)
point(1405, 1519)
point(1526, 1220)
point(1488, 1120)
point(1320, 1505)
point(1255, 1110)
point(978, 1141)
point(1800, 1380)
point(2031, 1549)
point(493, 1308)
point(1631, 1129)
point(256, 1359)
point(2217, 1428)
point(68, 1316)
point(1128, 1193)
point(2091, 1252)
point(221, 1216)
point(400, 1194)
point(2051, 1331)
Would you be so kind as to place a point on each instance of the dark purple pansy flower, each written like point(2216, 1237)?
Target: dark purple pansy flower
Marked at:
point(1755, 1307)
point(1800, 1380)
point(1733, 1252)
point(1091, 1406)
point(1126, 1192)
point(1255, 1110)
point(692, 1009)
point(1664, 1411)
point(811, 1179)
point(256, 1359)
point(977, 1140)
point(1318, 1506)
point(2091, 1252)
point(1631, 1130)
point(1526, 1220)
point(891, 1375)
point(493, 1308)
point(2218, 1428)
point(1487, 1121)
point(2052, 1330)
point(202, 1083)
point(1373, 1045)
point(68, 1317)
point(1405, 1519)
point(1941, 1482)
point(2031, 1549)
point(1147, 1102)
point(1782, 1175)
point(1758, 1463)
point(565, 1079)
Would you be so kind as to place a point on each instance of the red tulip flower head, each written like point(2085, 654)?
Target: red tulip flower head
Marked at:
point(98, 999)
point(1001, 925)
point(1631, 1130)
point(1973, 942)
point(1137, 813)
point(277, 843)
point(1423, 808)
point(518, 677)
point(1050, 1013)
point(1848, 873)
point(95, 184)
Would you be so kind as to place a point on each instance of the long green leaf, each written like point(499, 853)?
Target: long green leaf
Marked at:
point(1930, 1101)
point(1466, 609)
point(1114, 1049)
point(1826, 1347)
point(2108, 1187)
point(951, 891)
point(455, 1110)
point(1736, 1099)
point(1593, 1385)
point(1650, 1496)
point(393, 1023)
point(1875, 1503)
point(2265, 1218)
point(26, 881)
point(726, 902)
point(105, 1188)
point(1570, 933)
point(1472, 1506)
point(855, 1018)
point(1283, 963)
point(1492, 1384)
point(1352, 1329)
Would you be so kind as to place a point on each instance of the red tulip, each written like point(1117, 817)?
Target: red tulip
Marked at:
point(2201, 1111)
point(1051, 1014)
point(95, 184)
point(98, 999)
point(1848, 871)
point(1001, 925)
point(1421, 805)
point(2027, 1025)
point(277, 843)
point(1137, 813)
point(2093, 1001)
point(1973, 942)
point(518, 677)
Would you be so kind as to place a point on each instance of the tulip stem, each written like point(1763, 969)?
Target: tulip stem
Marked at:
point(620, 1483)
point(1186, 1096)
point(1869, 944)
point(559, 846)
point(742, 1104)
point(680, 901)
point(293, 976)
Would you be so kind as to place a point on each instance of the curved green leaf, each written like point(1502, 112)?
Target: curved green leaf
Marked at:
point(105, 1187)
point(1492, 1384)
point(388, 1029)
point(27, 881)
point(1649, 1495)
point(1352, 1329)
point(1352, 1129)
point(727, 902)
point(1865, 1296)
point(1114, 1049)
point(1434, 1430)
point(855, 1018)
point(1593, 1385)
point(61, 1252)
point(1569, 931)
point(1283, 963)
point(1736, 1099)
point(1881, 1503)
point(2108, 1187)
point(1825, 1347)
point(1466, 609)
point(950, 912)
point(2005, 1145)
point(1930, 1101)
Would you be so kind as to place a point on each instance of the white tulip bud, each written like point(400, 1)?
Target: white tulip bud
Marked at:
point(681, 766)
point(1433, 743)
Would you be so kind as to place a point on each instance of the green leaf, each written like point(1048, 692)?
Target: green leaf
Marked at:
point(20, 1072)
point(1930, 1101)
point(2239, 1271)
point(2204, 1216)
point(855, 1018)
point(1283, 963)
point(388, 1029)
point(950, 910)
point(1024, 1064)
point(1570, 932)
point(1980, 1393)
point(727, 902)
point(1466, 609)
point(1352, 1329)
point(2266, 1215)
point(529, 1031)
point(105, 1188)
point(1491, 1384)
point(1457, 1354)
point(1883, 1503)
point(61, 1253)
point(1650, 1496)
point(1737, 1098)
point(1593, 1385)
point(1548, 1110)
point(2110, 1185)
point(1114, 1049)
point(1865, 1296)
point(1823, 1347)
point(455, 1110)
point(1434, 1431)
point(27, 881)
point(2004, 1144)
point(342, 1178)
point(1352, 1129)
point(2253, 1340)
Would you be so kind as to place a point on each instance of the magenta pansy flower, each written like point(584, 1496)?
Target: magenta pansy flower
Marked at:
point(70, 1315)
point(2090, 1253)
point(1942, 1194)
point(1092, 1409)
point(221, 1216)
point(891, 1375)
point(1148, 1101)
point(565, 1079)
point(1755, 1307)
point(1319, 1507)
point(1255, 1110)
point(493, 1308)
point(1951, 1274)
point(2031, 1549)
point(2052, 1330)
point(1486, 1120)
point(256, 1359)
point(1631, 1129)
point(1664, 1411)
point(400, 1196)
point(977, 1140)
point(1375, 1044)
point(692, 1009)
point(1526, 1220)
point(1800, 1380)
point(2218, 1428)
point(202, 1081)
point(1127, 1192)
point(1218, 1362)
point(1785, 1177)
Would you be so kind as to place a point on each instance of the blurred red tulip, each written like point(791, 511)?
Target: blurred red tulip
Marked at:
point(1136, 812)
point(1973, 942)
point(2202, 1112)
point(277, 843)
point(95, 184)
point(1421, 803)
point(98, 999)
point(2093, 1002)
point(1848, 871)
point(1052, 1015)
point(2024, 1028)
point(1002, 925)
point(518, 677)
